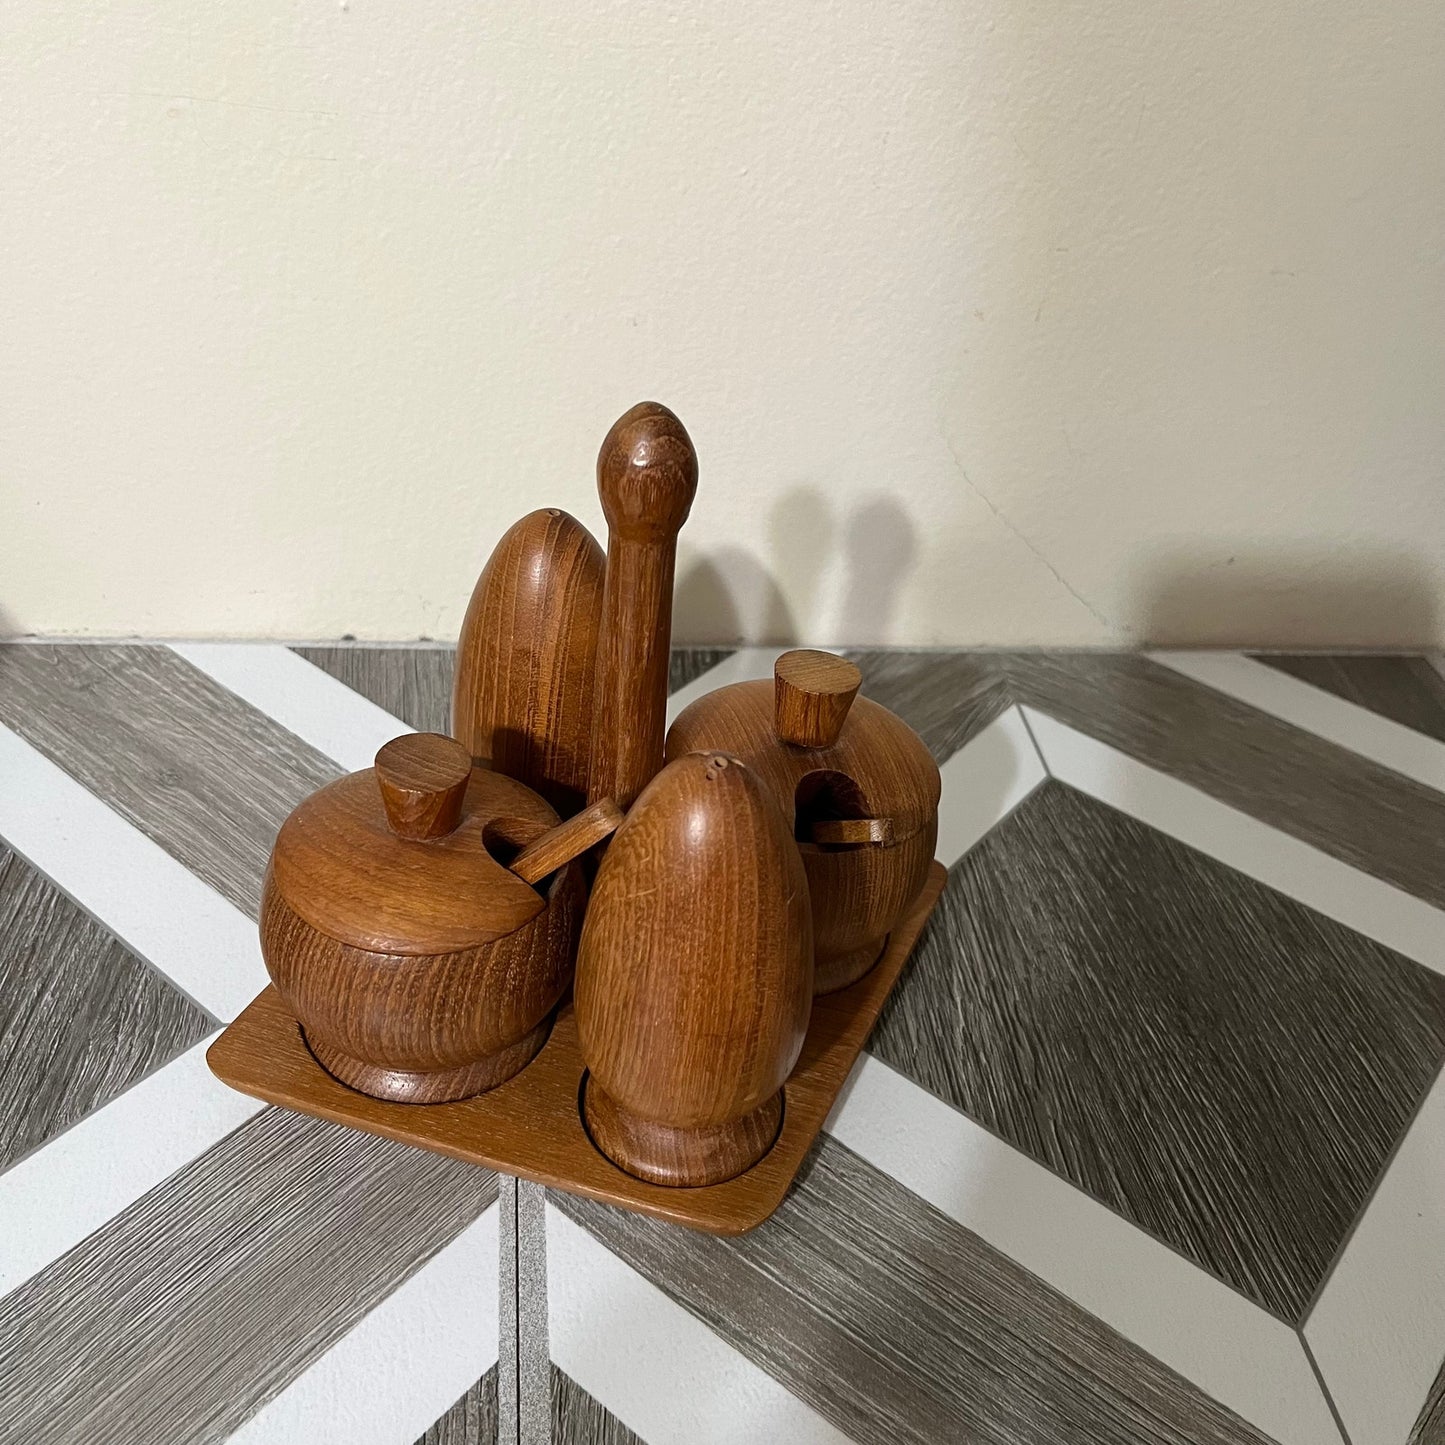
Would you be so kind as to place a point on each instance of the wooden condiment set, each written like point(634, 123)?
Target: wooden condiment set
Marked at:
point(423, 918)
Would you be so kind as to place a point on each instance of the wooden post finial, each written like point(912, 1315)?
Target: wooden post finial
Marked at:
point(646, 479)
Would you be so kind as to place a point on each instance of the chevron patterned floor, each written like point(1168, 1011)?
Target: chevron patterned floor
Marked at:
point(1149, 1145)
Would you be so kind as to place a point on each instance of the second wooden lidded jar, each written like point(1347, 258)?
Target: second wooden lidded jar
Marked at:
point(859, 784)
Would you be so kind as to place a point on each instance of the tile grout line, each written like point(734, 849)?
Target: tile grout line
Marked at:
point(508, 1391)
point(534, 1355)
point(1029, 729)
point(1324, 1386)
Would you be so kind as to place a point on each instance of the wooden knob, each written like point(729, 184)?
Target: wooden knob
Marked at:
point(423, 779)
point(646, 474)
point(812, 692)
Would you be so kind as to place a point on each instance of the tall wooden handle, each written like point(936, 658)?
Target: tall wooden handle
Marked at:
point(646, 477)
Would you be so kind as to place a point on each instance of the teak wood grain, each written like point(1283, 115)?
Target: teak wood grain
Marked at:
point(567, 841)
point(420, 965)
point(423, 779)
point(865, 805)
point(531, 1125)
point(694, 975)
point(646, 478)
point(812, 692)
point(522, 694)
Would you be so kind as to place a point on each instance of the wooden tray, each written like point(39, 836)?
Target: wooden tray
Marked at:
point(531, 1126)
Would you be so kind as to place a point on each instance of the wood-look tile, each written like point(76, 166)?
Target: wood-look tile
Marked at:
point(182, 1316)
point(472, 1420)
point(899, 1326)
point(1406, 689)
point(1356, 810)
point(1430, 1425)
point(1220, 1064)
point(81, 1017)
point(198, 771)
point(413, 683)
point(688, 663)
point(945, 696)
point(578, 1418)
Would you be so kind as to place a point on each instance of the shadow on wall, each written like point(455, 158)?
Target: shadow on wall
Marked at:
point(1270, 597)
point(1273, 597)
point(856, 562)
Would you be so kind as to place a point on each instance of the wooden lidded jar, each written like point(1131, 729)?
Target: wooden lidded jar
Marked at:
point(418, 965)
point(694, 976)
point(859, 784)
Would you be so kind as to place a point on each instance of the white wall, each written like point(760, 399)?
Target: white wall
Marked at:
point(992, 321)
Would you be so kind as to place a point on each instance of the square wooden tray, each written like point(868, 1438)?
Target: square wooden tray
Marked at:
point(531, 1126)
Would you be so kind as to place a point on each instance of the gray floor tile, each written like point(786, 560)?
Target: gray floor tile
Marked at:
point(578, 1419)
point(1430, 1426)
point(903, 1328)
point(1366, 815)
point(414, 683)
point(81, 1017)
point(1220, 1064)
point(181, 1317)
point(472, 1420)
point(1407, 690)
point(193, 767)
point(945, 696)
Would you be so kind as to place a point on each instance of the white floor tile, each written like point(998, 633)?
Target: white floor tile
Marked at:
point(1369, 905)
point(402, 1366)
point(1378, 1328)
point(201, 941)
point(984, 781)
point(659, 1369)
point(337, 721)
point(747, 664)
point(1198, 1326)
point(1316, 711)
point(69, 1187)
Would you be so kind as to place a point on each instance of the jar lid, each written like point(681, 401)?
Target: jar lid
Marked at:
point(893, 772)
point(409, 857)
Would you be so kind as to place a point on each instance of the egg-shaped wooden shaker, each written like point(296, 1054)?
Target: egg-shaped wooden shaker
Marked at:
point(526, 655)
point(858, 783)
point(694, 976)
point(420, 966)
